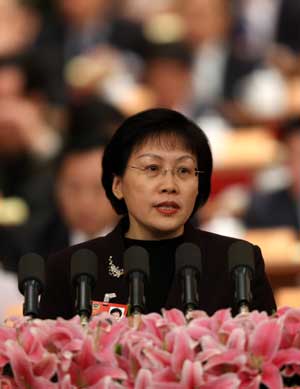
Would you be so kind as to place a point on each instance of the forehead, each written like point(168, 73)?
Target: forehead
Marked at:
point(82, 163)
point(162, 144)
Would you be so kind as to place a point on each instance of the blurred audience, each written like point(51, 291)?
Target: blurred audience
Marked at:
point(28, 140)
point(80, 28)
point(287, 26)
point(19, 25)
point(219, 65)
point(168, 74)
point(92, 114)
point(280, 206)
point(80, 211)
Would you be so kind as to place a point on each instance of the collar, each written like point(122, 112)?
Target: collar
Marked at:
point(115, 239)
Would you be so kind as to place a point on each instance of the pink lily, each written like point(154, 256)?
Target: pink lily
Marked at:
point(229, 361)
point(191, 374)
point(22, 369)
point(143, 379)
point(183, 349)
point(226, 381)
point(263, 346)
point(174, 317)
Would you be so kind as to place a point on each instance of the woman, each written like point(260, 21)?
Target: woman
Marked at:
point(156, 172)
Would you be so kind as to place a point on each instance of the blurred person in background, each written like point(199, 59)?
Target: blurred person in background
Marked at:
point(264, 25)
point(219, 65)
point(24, 131)
point(280, 207)
point(256, 25)
point(269, 30)
point(28, 140)
point(168, 74)
point(90, 122)
point(80, 211)
point(92, 113)
point(143, 11)
point(80, 28)
point(19, 25)
point(81, 200)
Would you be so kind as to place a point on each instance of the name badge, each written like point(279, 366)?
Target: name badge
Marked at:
point(116, 310)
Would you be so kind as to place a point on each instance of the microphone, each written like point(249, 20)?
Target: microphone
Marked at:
point(136, 269)
point(188, 269)
point(31, 282)
point(241, 268)
point(84, 274)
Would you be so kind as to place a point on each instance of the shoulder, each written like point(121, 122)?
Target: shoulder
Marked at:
point(100, 246)
point(215, 247)
point(210, 238)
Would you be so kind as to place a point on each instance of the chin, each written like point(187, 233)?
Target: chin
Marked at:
point(167, 228)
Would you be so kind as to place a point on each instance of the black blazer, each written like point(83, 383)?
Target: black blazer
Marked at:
point(216, 289)
point(272, 209)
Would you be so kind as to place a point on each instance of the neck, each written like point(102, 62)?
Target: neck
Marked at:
point(153, 235)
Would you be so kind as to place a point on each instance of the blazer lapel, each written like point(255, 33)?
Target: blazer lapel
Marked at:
point(113, 269)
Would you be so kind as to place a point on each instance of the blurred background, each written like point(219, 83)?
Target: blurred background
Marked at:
point(72, 70)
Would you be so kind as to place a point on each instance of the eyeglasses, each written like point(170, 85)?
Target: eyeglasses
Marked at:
point(183, 173)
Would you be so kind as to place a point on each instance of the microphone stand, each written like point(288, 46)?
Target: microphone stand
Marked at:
point(31, 295)
point(244, 308)
point(136, 298)
point(243, 289)
point(189, 286)
point(84, 320)
point(136, 292)
point(83, 305)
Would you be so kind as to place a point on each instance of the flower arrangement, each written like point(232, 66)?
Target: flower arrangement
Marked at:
point(157, 351)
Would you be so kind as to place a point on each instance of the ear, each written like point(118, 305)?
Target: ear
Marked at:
point(117, 187)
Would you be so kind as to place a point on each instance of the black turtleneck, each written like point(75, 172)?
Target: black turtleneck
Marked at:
point(162, 269)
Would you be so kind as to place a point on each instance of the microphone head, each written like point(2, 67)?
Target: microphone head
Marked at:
point(84, 262)
point(188, 255)
point(31, 267)
point(136, 258)
point(241, 253)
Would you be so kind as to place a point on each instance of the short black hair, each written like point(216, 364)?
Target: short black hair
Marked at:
point(290, 127)
point(175, 51)
point(93, 114)
point(116, 310)
point(148, 124)
point(79, 144)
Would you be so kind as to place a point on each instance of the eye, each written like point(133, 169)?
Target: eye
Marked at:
point(184, 171)
point(152, 168)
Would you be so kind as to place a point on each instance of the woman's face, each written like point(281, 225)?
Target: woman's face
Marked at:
point(159, 187)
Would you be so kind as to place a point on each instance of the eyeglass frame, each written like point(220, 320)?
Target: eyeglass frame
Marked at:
point(164, 171)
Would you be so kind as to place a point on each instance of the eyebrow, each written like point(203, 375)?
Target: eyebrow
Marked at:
point(186, 156)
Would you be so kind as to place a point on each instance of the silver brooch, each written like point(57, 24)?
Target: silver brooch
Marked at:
point(114, 270)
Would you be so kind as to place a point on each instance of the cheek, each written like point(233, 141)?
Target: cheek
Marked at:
point(134, 192)
point(191, 196)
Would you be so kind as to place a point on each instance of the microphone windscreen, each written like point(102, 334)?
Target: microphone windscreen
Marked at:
point(188, 255)
point(84, 262)
point(136, 258)
point(31, 267)
point(241, 253)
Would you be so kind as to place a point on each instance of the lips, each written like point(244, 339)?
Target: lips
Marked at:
point(167, 205)
point(167, 208)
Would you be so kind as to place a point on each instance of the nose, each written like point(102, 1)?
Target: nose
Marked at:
point(169, 183)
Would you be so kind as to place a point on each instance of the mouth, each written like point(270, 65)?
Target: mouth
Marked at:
point(167, 207)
